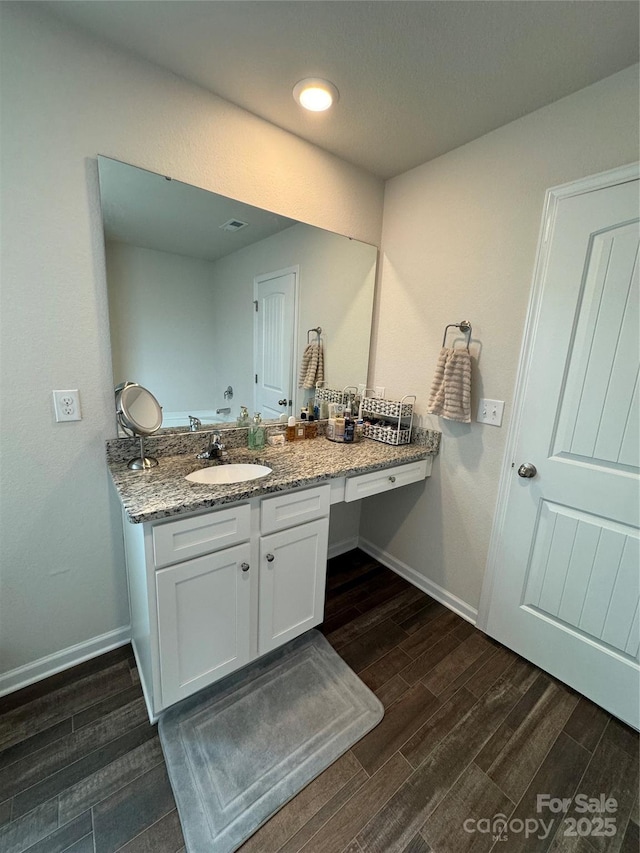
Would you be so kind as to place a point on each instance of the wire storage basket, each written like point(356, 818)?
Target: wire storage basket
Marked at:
point(389, 421)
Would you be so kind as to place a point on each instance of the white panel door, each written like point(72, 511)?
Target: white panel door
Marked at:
point(203, 621)
point(293, 571)
point(567, 573)
point(274, 299)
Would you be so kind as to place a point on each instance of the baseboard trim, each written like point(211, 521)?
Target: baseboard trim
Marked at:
point(342, 547)
point(40, 669)
point(439, 593)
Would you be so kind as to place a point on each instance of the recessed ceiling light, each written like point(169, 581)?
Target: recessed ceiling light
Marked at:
point(316, 94)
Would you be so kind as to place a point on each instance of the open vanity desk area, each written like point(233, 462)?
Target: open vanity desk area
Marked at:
point(219, 575)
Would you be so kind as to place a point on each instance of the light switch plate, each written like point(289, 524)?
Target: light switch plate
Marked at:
point(490, 412)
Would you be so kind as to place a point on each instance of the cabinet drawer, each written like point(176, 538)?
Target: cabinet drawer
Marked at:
point(294, 508)
point(175, 541)
point(383, 481)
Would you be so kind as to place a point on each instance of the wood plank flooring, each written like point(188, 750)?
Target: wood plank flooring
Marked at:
point(470, 731)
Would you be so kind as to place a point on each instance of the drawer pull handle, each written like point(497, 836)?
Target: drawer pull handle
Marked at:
point(392, 479)
point(270, 558)
point(245, 567)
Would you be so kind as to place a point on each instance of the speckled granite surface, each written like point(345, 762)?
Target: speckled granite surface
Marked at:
point(173, 444)
point(163, 492)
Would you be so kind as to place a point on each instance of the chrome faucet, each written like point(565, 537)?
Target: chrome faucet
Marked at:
point(194, 423)
point(215, 450)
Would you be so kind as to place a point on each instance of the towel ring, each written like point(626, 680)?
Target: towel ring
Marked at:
point(317, 330)
point(464, 326)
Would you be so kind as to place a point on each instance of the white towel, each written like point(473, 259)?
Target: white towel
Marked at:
point(311, 366)
point(451, 388)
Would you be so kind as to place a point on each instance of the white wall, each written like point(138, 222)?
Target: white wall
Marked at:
point(459, 242)
point(337, 279)
point(163, 321)
point(66, 98)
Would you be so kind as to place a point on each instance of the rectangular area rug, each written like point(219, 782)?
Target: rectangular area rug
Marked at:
point(238, 750)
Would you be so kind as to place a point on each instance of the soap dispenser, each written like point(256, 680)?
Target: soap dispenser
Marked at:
point(256, 433)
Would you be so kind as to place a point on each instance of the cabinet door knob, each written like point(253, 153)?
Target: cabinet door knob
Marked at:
point(245, 567)
point(270, 558)
point(392, 479)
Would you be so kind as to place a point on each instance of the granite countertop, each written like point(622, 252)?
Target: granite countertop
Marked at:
point(162, 492)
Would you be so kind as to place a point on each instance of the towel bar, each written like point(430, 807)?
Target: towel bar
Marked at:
point(463, 325)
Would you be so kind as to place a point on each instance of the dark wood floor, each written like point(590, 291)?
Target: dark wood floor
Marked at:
point(470, 731)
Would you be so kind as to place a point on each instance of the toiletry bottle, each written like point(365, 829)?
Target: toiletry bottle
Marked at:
point(291, 429)
point(349, 427)
point(256, 433)
point(243, 417)
point(311, 428)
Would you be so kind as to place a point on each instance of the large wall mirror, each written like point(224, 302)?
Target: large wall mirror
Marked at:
point(188, 272)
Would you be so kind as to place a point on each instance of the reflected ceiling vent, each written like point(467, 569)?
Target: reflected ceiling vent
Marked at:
point(233, 225)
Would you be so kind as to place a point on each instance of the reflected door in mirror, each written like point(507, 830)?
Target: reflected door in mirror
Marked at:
point(275, 301)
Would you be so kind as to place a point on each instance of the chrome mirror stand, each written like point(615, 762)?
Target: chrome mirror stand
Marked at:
point(142, 463)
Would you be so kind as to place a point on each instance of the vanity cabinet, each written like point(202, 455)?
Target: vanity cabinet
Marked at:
point(211, 592)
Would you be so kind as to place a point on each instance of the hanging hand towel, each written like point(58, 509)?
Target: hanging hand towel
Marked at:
point(311, 366)
point(451, 388)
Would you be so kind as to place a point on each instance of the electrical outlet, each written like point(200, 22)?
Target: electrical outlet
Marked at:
point(66, 405)
point(490, 412)
point(379, 389)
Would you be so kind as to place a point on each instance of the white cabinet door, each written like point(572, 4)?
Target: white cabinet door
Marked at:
point(293, 568)
point(203, 621)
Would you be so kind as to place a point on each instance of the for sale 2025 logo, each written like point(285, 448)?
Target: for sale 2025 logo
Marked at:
point(591, 816)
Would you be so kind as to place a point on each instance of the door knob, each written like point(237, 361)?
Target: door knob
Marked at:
point(282, 402)
point(392, 479)
point(527, 470)
point(245, 567)
point(270, 558)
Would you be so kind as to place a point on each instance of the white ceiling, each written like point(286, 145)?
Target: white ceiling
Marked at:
point(156, 212)
point(416, 78)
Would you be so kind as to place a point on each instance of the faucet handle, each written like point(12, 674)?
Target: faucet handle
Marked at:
point(194, 423)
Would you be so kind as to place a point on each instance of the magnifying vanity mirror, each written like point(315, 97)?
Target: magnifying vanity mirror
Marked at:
point(207, 293)
point(138, 413)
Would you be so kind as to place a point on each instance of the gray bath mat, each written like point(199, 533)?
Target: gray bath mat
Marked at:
point(240, 749)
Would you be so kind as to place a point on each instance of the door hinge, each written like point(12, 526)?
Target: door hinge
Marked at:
point(256, 378)
point(255, 302)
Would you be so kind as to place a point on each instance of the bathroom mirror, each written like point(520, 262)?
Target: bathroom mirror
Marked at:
point(187, 270)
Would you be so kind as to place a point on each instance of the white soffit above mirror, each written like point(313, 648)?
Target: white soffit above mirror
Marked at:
point(171, 216)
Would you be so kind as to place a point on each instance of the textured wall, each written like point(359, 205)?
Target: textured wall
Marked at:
point(459, 242)
point(165, 327)
point(65, 99)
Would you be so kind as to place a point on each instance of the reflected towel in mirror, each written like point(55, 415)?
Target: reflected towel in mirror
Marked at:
point(311, 366)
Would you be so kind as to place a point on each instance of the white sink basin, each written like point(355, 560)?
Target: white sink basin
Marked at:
point(226, 474)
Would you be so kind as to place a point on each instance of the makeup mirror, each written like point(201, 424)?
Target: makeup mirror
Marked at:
point(138, 413)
